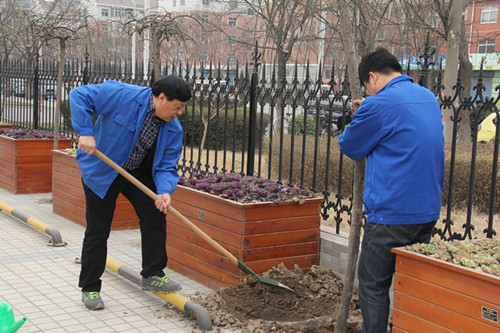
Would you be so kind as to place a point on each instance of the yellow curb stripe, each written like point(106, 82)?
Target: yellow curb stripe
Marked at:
point(36, 223)
point(8, 209)
point(174, 299)
point(113, 265)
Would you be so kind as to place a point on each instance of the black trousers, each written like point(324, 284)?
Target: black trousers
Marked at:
point(99, 215)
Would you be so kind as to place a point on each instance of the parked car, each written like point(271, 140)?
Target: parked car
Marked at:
point(47, 88)
point(486, 131)
point(17, 87)
point(337, 122)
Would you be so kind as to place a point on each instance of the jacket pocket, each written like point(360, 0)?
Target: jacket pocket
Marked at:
point(127, 120)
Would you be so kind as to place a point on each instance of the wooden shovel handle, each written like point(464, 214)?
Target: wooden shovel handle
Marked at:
point(171, 209)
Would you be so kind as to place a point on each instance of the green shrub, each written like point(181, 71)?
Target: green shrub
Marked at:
point(299, 125)
point(461, 180)
point(236, 128)
point(66, 115)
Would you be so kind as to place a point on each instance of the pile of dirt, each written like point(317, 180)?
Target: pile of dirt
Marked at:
point(260, 308)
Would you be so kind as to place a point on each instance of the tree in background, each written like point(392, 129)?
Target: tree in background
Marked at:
point(59, 21)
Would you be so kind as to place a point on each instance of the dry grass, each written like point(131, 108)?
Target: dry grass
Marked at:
point(478, 220)
point(215, 159)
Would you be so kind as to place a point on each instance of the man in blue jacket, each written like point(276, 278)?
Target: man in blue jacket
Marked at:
point(136, 127)
point(398, 130)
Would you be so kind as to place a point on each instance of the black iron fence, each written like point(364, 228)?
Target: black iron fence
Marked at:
point(245, 119)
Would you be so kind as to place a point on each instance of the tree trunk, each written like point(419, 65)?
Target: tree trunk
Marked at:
point(359, 176)
point(59, 83)
point(451, 70)
point(156, 54)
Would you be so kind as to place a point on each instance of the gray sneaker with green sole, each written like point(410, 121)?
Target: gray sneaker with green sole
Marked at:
point(160, 283)
point(92, 300)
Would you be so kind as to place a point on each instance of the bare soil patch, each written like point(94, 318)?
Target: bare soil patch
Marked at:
point(260, 308)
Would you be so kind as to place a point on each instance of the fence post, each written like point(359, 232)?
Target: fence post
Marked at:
point(36, 105)
point(86, 68)
point(253, 113)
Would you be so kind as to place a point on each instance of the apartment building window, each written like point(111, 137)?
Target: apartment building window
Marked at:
point(331, 53)
point(489, 14)
point(205, 18)
point(204, 56)
point(205, 2)
point(174, 3)
point(105, 12)
point(181, 55)
point(183, 2)
point(232, 22)
point(250, 30)
point(232, 40)
point(486, 46)
point(231, 57)
point(104, 27)
point(203, 37)
point(380, 35)
point(233, 4)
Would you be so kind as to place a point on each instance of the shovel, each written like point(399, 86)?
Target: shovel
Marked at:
point(190, 224)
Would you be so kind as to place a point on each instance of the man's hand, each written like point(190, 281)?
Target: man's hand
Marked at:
point(163, 202)
point(355, 104)
point(87, 144)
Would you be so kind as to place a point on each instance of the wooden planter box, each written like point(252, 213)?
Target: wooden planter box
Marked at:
point(68, 198)
point(26, 164)
point(261, 235)
point(436, 296)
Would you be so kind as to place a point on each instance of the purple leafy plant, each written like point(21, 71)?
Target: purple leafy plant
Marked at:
point(246, 189)
point(27, 133)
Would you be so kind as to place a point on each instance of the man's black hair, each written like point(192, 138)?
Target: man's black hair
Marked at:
point(173, 87)
point(380, 61)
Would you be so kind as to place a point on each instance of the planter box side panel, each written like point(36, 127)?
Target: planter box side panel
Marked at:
point(271, 238)
point(8, 179)
point(469, 282)
point(288, 209)
point(452, 297)
point(67, 208)
point(282, 224)
point(207, 212)
point(69, 198)
point(32, 164)
point(198, 276)
point(465, 310)
point(414, 323)
point(281, 251)
point(232, 241)
point(217, 205)
point(205, 266)
point(437, 315)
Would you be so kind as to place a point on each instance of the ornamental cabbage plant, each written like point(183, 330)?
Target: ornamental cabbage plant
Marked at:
point(244, 189)
point(27, 133)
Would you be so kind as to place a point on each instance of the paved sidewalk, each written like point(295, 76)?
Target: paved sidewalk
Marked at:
point(41, 281)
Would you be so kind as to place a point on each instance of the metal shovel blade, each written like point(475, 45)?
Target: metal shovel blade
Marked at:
point(265, 280)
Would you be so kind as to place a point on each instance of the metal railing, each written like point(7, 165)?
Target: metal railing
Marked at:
point(245, 119)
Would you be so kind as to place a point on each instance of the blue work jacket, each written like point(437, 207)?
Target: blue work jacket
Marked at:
point(121, 109)
point(399, 131)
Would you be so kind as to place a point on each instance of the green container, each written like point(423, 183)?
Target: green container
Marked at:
point(7, 322)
